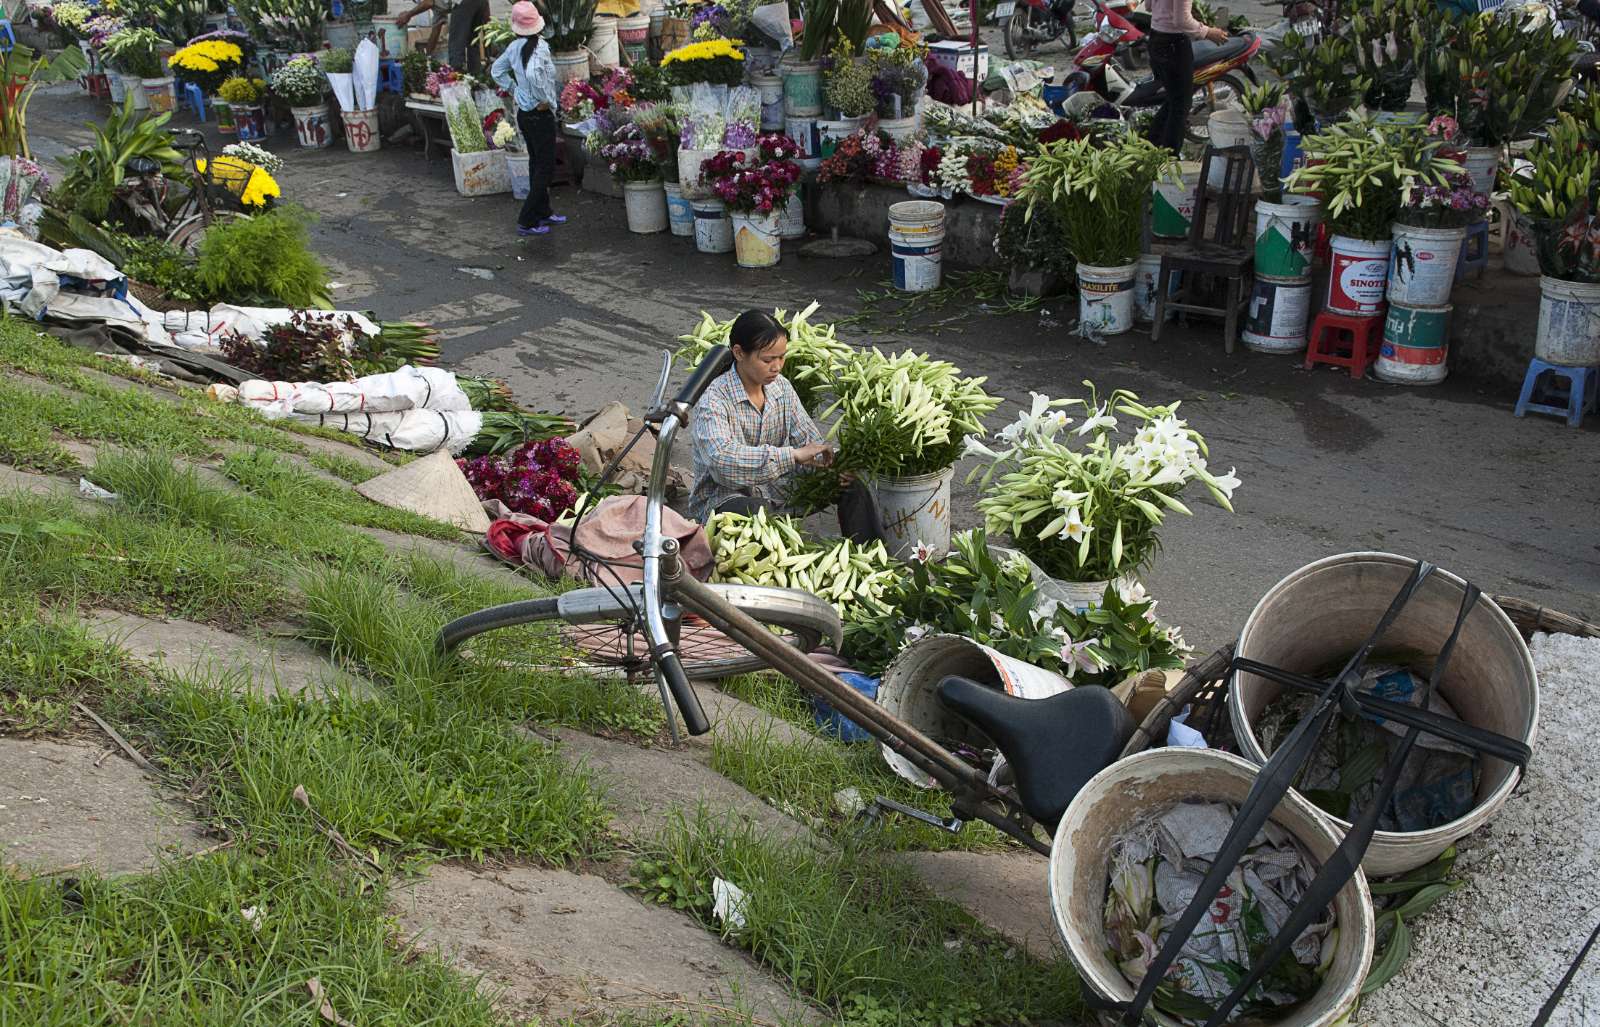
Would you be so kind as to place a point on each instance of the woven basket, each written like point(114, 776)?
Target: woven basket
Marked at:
point(154, 298)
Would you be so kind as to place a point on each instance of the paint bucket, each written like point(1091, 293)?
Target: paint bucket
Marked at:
point(250, 122)
point(484, 173)
point(1286, 236)
point(1145, 282)
point(646, 206)
point(133, 86)
point(832, 131)
point(311, 126)
point(1293, 155)
point(804, 132)
point(713, 229)
point(901, 130)
point(909, 690)
point(1414, 345)
point(633, 32)
point(915, 509)
point(756, 242)
point(158, 94)
point(910, 217)
point(771, 89)
point(917, 260)
point(1130, 794)
point(680, 216)
point(361, 131)
point(1423, 265)
point(802, 88)
point(689, 162)
point(792, 219)
point(1319, 614)
point(1275, 320)
point(1172, 203)
point(1359, 276)
point(1105, 299)
point(1520, 252)
point(1481, 163)
point(118, 85)
point(604, 51)
point(571, 66)
point(1569, 323)
point(1226, 127)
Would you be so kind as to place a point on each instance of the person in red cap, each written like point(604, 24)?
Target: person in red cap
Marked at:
point(527, 70)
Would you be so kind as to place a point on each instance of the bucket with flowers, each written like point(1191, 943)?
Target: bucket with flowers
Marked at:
point(1088, 507)
point(207, 63)
point(244, 97)
point(135, 54)
point(713, 61)
point(302, 86)
point(633, 163)
point(755, 192)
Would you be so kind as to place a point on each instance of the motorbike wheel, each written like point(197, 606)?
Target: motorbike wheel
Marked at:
point(1019, 40)
point(1212, 97)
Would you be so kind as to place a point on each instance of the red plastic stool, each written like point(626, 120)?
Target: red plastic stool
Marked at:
point(1345, 340)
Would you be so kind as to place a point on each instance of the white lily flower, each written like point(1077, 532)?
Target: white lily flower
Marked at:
point(973, 447)
point(921, 552)
point(1075, 656)
point(1100, 417)
point(1075, 529)
point(1226, 483)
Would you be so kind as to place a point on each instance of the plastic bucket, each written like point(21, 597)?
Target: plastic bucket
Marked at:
point(118, 85)
point(832, 132)
point(1145, 284)
point(158, 94)
point(311, 127)
point(1293, 156)
point(908, 689)
point(1227, 127)
point(689, 162)
point(1317, 616)
point(604, 51)
point(713, 229)
point(646, 204)
point(917, 260)
point(519, 175)
point(571, 66)
point(771, 89)
point(804, 131)
point(756, 242)
point(792, 219)
point(1172, 203)
point(1135, 790)
point(1275, 321)
point(915, 509)
point(1521, 256)
point(361, 131)
point(249, 122)
point(484, 173)
point(909, 217)
point(899, 129)
point(1359, 277)
point(1569, 323)
point(1414, 345)
point(133, 86)
point(1481, 163)
point(1105, 299)
point(680, 215)
point(802, 88)
point(1423, 265)
point(1286, 236)
point(633, 32)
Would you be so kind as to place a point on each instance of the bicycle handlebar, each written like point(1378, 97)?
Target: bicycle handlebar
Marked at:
point(712, 367)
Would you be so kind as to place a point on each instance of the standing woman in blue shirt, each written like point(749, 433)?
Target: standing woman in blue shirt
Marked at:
point(527, 70)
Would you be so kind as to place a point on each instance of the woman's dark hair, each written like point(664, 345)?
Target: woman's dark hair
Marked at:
point(755, 330)
point(530, 50)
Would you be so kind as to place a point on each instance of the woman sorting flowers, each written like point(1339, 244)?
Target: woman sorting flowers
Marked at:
point(752, 436)
point(526, 69)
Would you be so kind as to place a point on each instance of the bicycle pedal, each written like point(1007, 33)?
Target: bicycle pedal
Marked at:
point(882, 804)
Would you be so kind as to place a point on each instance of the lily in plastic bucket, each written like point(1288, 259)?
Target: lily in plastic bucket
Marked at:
point(1286, 236)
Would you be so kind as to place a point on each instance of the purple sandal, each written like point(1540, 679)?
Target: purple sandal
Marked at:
point(535, 230)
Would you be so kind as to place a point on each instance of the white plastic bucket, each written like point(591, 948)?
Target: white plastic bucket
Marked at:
point(133, 86)
point(158, 94)
point(792, 219)
point(1569, 323)
point(909, 217)
point(484, 173)
point(771, 89)
point(571, 66)
point(1521, 256)
point(901, 130)
point(1082, 595)
point(311, 126)
point(713, 229)
point(119, 88)
point(916, 260)
point(915, 509)
point(1318, 615)
point(1359, 276)
point(633, 33)
point(680, 215)
point(1415, 345)
point(1481, 163)
point(1105, 299)
point(756, 242)
point(1227, 127)
point(909, 684)
point(1172, 204)
point(604, 50)
point(1422, 267)
point(1135, 790)
point(1145, 285)
point(361, 131)
point(1286, 236)
point(1276, 319)
point(646, 204)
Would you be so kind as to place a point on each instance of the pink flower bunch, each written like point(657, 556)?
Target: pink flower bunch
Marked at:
point(437, 80)
point(1270, 122)
point(579, 100)
point(778, 146)
point(1446, 126)
point(537, 478)
point(759, 190)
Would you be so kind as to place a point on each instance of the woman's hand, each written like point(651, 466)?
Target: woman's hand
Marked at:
point(1216, 35)
point(818, 455)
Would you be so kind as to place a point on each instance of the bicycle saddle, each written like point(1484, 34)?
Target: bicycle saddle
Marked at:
point(143, 166)
point(187, 139)
point(1054, 745)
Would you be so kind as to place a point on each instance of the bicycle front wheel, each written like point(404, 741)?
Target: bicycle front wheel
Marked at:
point(600, 632)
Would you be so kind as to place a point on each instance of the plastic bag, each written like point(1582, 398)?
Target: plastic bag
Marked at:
point(742, 114)
point(705, 117)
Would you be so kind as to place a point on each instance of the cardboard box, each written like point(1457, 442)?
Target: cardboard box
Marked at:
point(959, 57)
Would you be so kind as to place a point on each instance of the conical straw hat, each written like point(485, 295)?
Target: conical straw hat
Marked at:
point(432, 486)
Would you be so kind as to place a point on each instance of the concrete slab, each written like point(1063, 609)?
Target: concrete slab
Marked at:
point(1008, 892)
point(268, 664)
point(473, 561)
point(33, 483)
point(59, 810)
point(553, 944)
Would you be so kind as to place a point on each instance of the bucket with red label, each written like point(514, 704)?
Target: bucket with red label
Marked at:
point(1358, 275)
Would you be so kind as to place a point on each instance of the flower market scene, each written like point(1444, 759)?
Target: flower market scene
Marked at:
point(664, 513)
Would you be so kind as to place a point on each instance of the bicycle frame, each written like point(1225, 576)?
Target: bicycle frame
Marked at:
point(664, 577)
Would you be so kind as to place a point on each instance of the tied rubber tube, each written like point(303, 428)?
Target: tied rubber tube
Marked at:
point(711, 368)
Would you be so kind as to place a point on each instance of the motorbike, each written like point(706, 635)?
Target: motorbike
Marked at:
point(1031, 24)
point(1221, 70)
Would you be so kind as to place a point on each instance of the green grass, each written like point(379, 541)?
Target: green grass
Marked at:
point(46, 663)
point(855, 931)
point(288, 487)
point(348, 468)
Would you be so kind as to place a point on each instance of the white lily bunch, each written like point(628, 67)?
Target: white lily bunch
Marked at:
point(1087, 506)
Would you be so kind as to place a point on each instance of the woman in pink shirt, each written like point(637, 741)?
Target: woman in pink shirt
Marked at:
point(1173, 29)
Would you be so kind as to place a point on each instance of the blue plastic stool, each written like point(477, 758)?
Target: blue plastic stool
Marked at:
point(394, 79)
point(1474, 251)
point(196, 99)
point(1581, 395)
point(10, 39)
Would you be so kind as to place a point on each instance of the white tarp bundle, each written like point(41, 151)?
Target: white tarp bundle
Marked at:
point(71, 285)
point(203, 329)
point(414, 408)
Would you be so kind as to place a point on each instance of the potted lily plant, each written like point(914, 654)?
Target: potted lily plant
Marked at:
point(1385, 50)
point(1088, 505)
point(136, 53)
point(301, 84)
point(1099, 193)
point(1318, 74)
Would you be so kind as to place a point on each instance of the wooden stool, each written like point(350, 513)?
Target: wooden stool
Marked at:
point(1345, 340)
point(1582, 393)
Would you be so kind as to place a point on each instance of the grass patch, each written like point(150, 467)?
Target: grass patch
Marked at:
point(288, 487)
point(175, 947)
point(27, 444)
point(45, 664)
point(856, 932)
point(348, 468)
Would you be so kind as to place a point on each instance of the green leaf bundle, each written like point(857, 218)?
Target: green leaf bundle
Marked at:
point(264, 260)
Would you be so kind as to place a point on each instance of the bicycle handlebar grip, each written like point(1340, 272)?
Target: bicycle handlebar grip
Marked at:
point(694, 718)
point(711, 368)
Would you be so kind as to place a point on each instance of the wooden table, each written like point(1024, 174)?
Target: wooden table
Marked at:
point(423, 114)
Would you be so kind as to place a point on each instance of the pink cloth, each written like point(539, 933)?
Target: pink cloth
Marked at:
point(608, 532)
point(1177, 17)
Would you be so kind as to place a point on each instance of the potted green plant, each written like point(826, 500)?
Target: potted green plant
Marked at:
point(1385, 54)
point(1318, 74)
point(568, 26)
point(1088, 505)
point(21, 72)
point(1099, 192)
point(898, 79)
point(1034, 247)
point(847, 90)
point(301, 84)
point(137, 53)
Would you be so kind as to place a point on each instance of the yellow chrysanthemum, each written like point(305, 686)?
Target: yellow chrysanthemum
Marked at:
point(252, 185)
point(207, 55)
point(709, 49)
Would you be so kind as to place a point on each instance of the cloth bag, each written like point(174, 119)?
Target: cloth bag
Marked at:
point(607, 533)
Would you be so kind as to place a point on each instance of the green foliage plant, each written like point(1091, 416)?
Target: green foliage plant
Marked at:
point(21, 72)
point(1098, 192)
point(1500, 74)
point(263, 260)
point(1359, 167)
point(94, 172)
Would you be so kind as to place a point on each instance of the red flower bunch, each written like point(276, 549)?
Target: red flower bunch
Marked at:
point(1060, 130)
point(722, 164)
point(777, 146)
point(930, 164)
point(537, 478)
point(759, 190)
point(980, 168)
point(850, 162)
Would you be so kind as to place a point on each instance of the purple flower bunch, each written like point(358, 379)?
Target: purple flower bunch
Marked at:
point(537, 478)
point(1451, 204)
point(739, 135)
point(630, 157)
point(710, 14)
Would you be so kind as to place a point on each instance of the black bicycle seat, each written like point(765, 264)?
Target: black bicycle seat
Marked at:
point(187, 139)
point(1054, 745)
point(142, 166)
